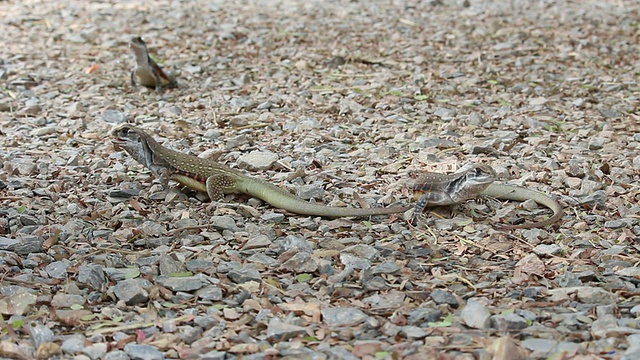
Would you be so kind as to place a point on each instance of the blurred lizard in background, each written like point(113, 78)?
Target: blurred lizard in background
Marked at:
point(146, 71)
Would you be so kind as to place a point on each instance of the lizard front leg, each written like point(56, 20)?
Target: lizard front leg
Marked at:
point(419, 208)
point(429, 198)
point(133, 78)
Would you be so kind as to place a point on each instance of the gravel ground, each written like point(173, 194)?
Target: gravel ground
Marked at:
point(344, 102)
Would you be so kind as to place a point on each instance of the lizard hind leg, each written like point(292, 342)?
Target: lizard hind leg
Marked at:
point(220, 184)
point(215, 186)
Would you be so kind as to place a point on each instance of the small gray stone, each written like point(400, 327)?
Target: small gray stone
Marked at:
point(205, 322)
point(43, 131)
point(362, 251)
point(586, 294)
point(301, 262)
point(95, 351)
point(598, 197)
point(58, 269)
point(476, 315)
point(169, 265)
point(114, 117)
point(634, 339)
point(236, 141)
point(28, 245)
point(568, 279)
point(309, 192)
point(263, 259)
point(238, 102)
point(390, 300)
point(182, 223)
point(602, 310)
point(601, 326)
point(631, 272)
point(199, 265)
point(245, 274)
point(445, 114)
point(343, 316)
point(257, 242)
point(18, 303)
point(504, 322)
point(189, 334)
point(257, 160)
point(212, 134)
point(142, 352)
point(539, 347)
point(421, 315)
point(40, 334)
point(387, 267)
point(596, 143)
point(92, 274)
point(609, 113)
point(444, 297)
point(280, 331)
point(632, 353)
point(133, 291)
point(413, 332)
point(61, 300)
point(274, 217)
point(7, 243)
point(28, 220)
point(214, 355)
point(616, 224)
point(224, 223)
point(152, 228)
point(615, 250)
point(335, 352)
point(210, 292)
point(116, 355)
point(186, 283)
point(354, 262)
point(292, 242)
point(474, 119)
point(265, 105)
point(73, 344)
point(544, 249)
point(33, 109)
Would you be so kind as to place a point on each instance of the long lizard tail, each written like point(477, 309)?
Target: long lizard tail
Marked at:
point(280, 198)
point(507, 192)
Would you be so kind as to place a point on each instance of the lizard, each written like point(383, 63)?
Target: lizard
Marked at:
point(216, 179)
point(147, 71)
point(435, 189)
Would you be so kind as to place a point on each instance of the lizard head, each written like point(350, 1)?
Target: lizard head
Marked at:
point(470, 181)
point(134, 141)
point(139, 48)
point(137, 41)
point(481, 174)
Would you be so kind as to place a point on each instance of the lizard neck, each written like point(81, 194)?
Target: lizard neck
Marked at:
point(151, 155)
point(456, 187)
point(141, 54)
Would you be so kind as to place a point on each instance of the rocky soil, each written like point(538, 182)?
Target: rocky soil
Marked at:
point(343, 103)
